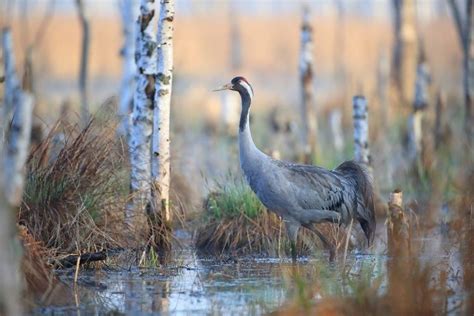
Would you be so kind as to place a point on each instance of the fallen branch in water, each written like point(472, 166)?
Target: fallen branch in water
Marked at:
point(71, 260)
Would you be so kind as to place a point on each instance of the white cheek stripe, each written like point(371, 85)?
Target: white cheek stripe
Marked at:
point(247, 87)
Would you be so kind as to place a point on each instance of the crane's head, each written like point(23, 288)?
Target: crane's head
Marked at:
point(239, 84)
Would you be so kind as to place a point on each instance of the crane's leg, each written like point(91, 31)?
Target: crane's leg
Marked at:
point(292, 230)
point(330, 247)
point(318, 216)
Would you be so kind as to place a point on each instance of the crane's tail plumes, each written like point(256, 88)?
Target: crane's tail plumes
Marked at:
point(364, 210)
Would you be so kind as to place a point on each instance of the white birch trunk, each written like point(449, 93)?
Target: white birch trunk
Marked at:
point(308, 115)
point(19, 132)
point(10, 286)
point(161, 117)
point(11, 80)
point(142, 116)
point(415, 121)
point(12, 157)
point(361, 130)
point(335, 121)
point(128, 14)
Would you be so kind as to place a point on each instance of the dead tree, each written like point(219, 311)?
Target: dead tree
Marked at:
point(361, 131)
point(83, 91)
point(420, 103)
point(405, 48)
point(308, 116)
point(465, 29)
point(397, 226)
point(142, 118)
point(129, 69)
point(160, 172)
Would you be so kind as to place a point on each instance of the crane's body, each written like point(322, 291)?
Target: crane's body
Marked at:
point(303, 194)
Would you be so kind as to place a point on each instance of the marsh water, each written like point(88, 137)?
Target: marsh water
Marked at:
point(231, 285)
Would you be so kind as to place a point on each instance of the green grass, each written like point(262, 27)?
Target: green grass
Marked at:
point(233, 198)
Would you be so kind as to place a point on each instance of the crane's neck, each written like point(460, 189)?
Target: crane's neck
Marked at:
point(248, 151)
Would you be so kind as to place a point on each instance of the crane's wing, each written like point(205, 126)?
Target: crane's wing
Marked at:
point(346, 190)
point(318, 188)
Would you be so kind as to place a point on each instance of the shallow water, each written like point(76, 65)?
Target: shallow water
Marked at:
point(196, 285)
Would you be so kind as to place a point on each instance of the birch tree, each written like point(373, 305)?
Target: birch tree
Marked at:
point(308, 115)
point(415, 121)
point(161, 116)
point(128, 14)
point(20, 104)
point(142, 116)
point(83, 91)
point(13, 156)
point(361, 131)
point(465, 29)
point(405, 48)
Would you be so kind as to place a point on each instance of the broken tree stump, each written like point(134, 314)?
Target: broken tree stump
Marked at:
point(397, 226)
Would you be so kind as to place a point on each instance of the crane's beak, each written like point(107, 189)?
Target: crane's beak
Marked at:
point(224, 87)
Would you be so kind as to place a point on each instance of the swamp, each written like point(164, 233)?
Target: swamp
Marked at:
point(218, 157)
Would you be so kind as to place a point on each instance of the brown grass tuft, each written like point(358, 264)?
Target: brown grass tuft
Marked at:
point(74, 197)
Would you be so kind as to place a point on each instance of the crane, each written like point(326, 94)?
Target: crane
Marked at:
point(303, 195)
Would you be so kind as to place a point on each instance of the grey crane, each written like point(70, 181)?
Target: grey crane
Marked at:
point(303, 195)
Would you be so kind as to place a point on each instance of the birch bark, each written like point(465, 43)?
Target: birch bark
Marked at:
point(128, 14)
point(361, 130)
point(415, 131)
point(13, 157)
point(18, 134)
point(308, 115)
point(161, 117)
point(142, 116)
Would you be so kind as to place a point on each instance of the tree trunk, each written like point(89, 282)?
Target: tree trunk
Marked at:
point(415, 121)
point(308, 115)
point(405, 48)
point(438, 126)
point(83, 91)
point(465, 29)
point(19, 131)
point(361, 131)
point(335, 121)
point(469, 74)
point(13, 157)
point(161, 119)
point(142, 118)
point(10, 287)
point(128, 13)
